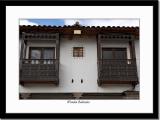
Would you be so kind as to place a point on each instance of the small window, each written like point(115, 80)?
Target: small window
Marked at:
point(77, 51)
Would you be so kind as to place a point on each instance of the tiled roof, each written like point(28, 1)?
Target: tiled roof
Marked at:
point(85, 29)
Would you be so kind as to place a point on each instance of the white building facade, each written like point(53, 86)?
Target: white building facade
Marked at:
point(79, 61)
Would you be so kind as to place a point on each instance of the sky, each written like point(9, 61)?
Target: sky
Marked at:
point(84, 22)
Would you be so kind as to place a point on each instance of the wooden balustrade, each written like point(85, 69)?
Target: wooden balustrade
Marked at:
point(39, 71)
point(117, 71)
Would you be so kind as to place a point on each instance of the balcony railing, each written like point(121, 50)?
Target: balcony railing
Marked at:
point(39, 71)
point(113, 71)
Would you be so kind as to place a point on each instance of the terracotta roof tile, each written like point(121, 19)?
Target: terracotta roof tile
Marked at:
point(86, 29)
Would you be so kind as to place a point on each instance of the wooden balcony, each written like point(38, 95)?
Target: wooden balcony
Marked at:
point(117, 71)
point(39, 71)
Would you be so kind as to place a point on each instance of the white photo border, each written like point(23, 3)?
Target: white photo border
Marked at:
point(144, 105)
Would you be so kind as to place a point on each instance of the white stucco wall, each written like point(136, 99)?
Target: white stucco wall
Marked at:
point(77, 68)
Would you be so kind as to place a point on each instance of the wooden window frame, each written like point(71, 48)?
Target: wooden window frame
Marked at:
point(79, 52)
point(42, 51)
point(113, 51)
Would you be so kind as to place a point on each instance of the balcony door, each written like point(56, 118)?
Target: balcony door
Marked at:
point(114, 53)
point(43, 55)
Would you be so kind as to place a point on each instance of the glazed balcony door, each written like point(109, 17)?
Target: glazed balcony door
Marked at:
point(114, 53)
point(35, 53)
point(48, 54)
point(45, 54)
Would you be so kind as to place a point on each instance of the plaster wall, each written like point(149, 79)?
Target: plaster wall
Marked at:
point(78, 68)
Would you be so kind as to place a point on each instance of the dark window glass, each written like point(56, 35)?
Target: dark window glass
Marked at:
point(107, 54)
point(77, 51)
point(48, 53)
point(114, 53)
point(120, 54)
point(42, 53)
point(35, 54)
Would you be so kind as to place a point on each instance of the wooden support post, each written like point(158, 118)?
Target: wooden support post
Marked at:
point(99, 47)
point(22, 51)
point(133, 57)
point(25, 48)
point(57, 55)
point(22, 46)
point(99, 57)
point(132, 49)
point(57, 46)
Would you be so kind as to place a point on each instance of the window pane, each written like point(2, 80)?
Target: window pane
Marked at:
point(114, 53)
point(48, 54)
point(107, 54)
point(121, 54)
point(35, 54)
point(75, 54)
point(81, 54)
point(77, 51)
